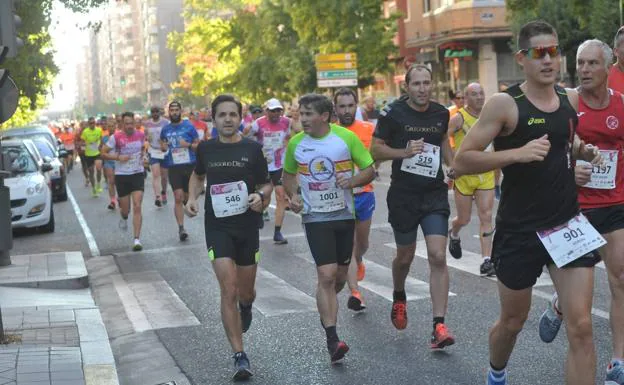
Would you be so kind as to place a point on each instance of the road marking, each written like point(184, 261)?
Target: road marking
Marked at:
point(93, 247)
point(547, 296)
point(131, 305)
point(277, 297)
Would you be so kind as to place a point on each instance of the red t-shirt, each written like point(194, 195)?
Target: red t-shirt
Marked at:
point(616, 79)
point(201, 128)
point(604, 129)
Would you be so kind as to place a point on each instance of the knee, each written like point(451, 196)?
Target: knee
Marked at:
point(327, 280)
point(485, 217)
point(462, 221)
point(247, 297)
point(136, 209)
point(437, 258)
point(339, 285)
point(404, 258)
point(179, 196)
point(513, 324)
point(229, 292)
point(579, 329)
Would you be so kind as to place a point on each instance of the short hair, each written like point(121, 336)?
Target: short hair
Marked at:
point(532, 29)
point(127, 114)
point(607, 52)
point(416, 66)
point(175, 103)
point(345, 92)
point(619, 37)
point(91, 118)
point(223, 99)
point(319, 103)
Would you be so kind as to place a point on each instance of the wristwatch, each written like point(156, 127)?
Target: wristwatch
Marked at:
point(259, 192)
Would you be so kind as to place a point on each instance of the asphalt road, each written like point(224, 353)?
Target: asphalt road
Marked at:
point(286, 343)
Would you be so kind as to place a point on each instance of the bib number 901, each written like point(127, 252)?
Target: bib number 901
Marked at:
point(573, 234)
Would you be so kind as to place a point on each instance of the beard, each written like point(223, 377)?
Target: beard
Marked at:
point(346, 121)
point(176, 118)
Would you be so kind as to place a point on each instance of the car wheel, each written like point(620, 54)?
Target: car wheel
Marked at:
point(49, 227)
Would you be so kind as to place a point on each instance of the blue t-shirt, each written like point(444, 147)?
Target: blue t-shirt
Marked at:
point(177, 154)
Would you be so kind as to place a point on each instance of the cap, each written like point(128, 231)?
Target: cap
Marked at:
point(175, 103)
point(274, 104)
point(255, 109)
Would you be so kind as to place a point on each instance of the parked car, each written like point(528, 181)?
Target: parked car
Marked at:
point(58, 176)
point(30, 132)
point(29, 186)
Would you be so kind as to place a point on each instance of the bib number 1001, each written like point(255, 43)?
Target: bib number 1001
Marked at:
point(573, 234)
point(329, 196)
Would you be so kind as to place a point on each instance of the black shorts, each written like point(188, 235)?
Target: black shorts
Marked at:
point(406, 211)
point(331, 241)
point(519, 259)
point(276, 177)
point(606, 219)
point(179, 176)
point(240, 245)
point(126, 184)
point(89, 161)
point(70, 152)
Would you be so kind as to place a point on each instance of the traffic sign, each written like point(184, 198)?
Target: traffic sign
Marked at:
point(329, 83)
point(338, 74)
point(330, 65)
point(349, 56)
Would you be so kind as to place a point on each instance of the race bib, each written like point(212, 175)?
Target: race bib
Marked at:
point(181, 156)
point(135, 161)
point(427, 163)
point(570, 241)
point(94, 146)
point(157, 153)
point(325, 197)
point(229, 199)
point(603, 177)
point(273, 140)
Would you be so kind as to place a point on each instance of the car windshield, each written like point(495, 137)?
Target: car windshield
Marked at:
point(45, 148)
point(19, 160)
point(30, 135)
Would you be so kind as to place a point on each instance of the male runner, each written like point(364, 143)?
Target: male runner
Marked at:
point(319, 179)
point(80, 151)
point(538, 222)
point(92, 137)
point(67, 137)
point(601, 122)
point(273, 130)
point(179, 138)
point(127, 146)
point(616, 72)
point(153, 127)
point(109, 165)
point(479, 186)
point(239, 187)
point(412, 132)
point(345, 102)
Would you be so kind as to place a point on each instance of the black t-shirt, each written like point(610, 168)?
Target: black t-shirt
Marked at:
point(227, 163)
point(398, 123)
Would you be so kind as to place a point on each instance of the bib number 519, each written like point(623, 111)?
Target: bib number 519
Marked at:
point(424, 159)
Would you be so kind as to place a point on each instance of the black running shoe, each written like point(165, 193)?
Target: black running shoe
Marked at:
point(158, 203)
point(455, 247)
point(337, 350)
point(241, 367)
point(487, 268)
point(246, 316)
point(183, 234)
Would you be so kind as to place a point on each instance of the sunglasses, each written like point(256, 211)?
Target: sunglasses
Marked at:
point(540, 52)
point(459, 98)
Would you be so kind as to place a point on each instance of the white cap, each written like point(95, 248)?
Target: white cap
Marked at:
point(273, 104)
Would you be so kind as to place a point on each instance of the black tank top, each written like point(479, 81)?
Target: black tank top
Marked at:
point(538, 195)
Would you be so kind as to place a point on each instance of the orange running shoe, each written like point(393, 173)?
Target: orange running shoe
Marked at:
point(355, 301)
point(399, 314)
point(337, 351)
point(441, 337)
point(361, 271)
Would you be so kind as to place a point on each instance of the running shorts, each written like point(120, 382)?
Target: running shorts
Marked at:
point(606, 219)
point(89, 160)
point(109, 164)
point(407, 211)
point(364, 205)
point(127, 184)
point(240, 245)
point(179, 176)
point(276, 177)
point(331, 241)
point(468, 184)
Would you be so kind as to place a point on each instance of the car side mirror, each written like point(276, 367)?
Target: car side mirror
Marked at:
point(63, 153)
point(47, 159)
point(46, 167)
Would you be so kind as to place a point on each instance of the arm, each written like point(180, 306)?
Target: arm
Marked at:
point(363, 178)
point(381, 151)
point(105, 152)
point(447, 151)
point(194, 145)
point(289, 181)
point(266, 189)
point(195, 183)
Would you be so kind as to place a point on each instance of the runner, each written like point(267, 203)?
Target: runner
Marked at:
point(126, 149)
point(153, 127)
point(199, 125)
point(532, 125)
point(412, 132)
point(239, 187)
point(601, 122)
point(80, 150)
point(616, 72)
point(346, 101)
point(370, 113)
point(109, 165)
point(273, 130)
point(67, 137)
point(323, 157)
point(92, 137)
point(180, 139)
point(480, 186)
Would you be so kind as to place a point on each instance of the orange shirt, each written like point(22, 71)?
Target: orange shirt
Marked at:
point(364, 131)
point(68, 140)
point(616, 79)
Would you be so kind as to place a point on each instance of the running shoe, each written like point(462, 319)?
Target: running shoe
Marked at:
point(550, 322)
point(266, 216)
point(111, 206)
point(361, 271)
point(337, 350)
point(487, 268)
point(183, 234)
point(158, 203)
point(123, 224)
point(86, 183)
point(355, 301)
point(137, 245)
point(493, 379)
point(279, 239)
point(454, 246)
point(98, 187)
point(95, 193)
point(399, 314)
point(615, 373)
point(163, 197)
point(441, 337)
point(246, 316)
point(241, 367)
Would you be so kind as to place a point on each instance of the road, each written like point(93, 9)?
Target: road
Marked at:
point(286, 344)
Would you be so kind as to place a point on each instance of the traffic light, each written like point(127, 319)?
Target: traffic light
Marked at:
point(9, 22)
point(122, 81)
point(119, 101)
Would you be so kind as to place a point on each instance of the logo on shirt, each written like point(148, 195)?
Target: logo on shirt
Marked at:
point(321, 168)
point(536, 121)
point(612, 122)
point(244, 159)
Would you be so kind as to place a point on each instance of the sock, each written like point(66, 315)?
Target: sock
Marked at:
point(453, 236)
point(247, 307)
point(399, 295)
point(497, 372)
point(485, 259)
point(180, 227)
point(124, 218)
point(278, 229)
point(437, 320)
point(555, 303)
point(331, 334)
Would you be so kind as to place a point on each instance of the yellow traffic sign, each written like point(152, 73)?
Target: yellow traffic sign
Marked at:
point(348, 56)
point(328, 66)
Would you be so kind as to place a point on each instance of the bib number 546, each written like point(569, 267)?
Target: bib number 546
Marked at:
point(232, 199)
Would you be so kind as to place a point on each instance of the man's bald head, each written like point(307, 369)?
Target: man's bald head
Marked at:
point(475, 97)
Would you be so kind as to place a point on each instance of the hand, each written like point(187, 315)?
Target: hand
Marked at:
point(296, 204)
point(269, 157)
point(590, 153)
point(534, 151)
point(451, 173)
point(184, 143)
point(343, 182)
point(123, 158)
point(255, 202)
point(414, 147)
point(582, 174)
point(191, 208)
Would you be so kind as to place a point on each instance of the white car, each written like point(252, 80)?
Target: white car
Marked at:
point(58, 176)
point(29, 185)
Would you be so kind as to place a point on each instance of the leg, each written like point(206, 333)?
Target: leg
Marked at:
point(98, 168)
point(485, 203)
point(614, 260)
point(246, 283)
point(226, 273)
point(326, 299)
point(463, 203)
point(438, 273)
point(575, 288)
point(84, 166)
point(124, 206)
point(137, 216)
point(401, 265)
point(156, 180)
point(280, 207)
point(109, 173)
point(91, 171)
point(179, 206)
point(360, 246)
point(164, 179)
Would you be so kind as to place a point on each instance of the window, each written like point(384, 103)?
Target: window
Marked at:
point(426, 6)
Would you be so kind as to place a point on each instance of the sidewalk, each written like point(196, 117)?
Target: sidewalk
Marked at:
point(56, 332)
